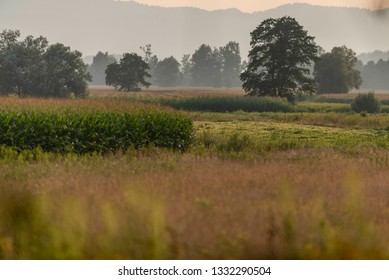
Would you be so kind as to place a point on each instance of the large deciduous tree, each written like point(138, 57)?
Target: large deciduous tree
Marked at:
point(32, 67)
point(336, 71)
point(202, 69)
point(22, 68)
point(66, 72)
point(279, 59)
point(129, 74)
point(207, 67)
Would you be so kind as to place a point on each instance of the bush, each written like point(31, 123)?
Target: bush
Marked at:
point(94, 132)
point(366, 103)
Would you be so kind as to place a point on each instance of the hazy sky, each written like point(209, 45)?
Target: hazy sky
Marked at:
point(258, 5)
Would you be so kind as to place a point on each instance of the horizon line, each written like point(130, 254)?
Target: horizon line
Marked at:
point(257, 11)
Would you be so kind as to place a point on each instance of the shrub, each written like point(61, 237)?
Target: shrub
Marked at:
point(236, 143)
point(366, 103)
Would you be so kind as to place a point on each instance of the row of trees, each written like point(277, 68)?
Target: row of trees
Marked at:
point(375, 75)
point(217, 67)
point(32, 67)
point(284, 61)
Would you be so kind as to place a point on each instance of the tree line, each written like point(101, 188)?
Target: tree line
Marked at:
point(375, 75)
point(284, 61)
point(206, 67)
point(337, 71)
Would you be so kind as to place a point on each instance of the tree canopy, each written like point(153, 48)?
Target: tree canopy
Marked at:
point(98, 67)
point(186, 69)
point(152, 61)
point(231, 64)
point(279, 59)
point(167, 72)
point(216, 67)
point(203, 68)
point(336, 72)
point(376, 75)
point(32, 67)
point(129, 74)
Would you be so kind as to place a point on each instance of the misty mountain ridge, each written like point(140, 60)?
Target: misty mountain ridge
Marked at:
point(117, 27)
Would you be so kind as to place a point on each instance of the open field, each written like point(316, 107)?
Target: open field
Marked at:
point(104, 91)
point(297, 185)
point(99, 91)
point(231, 100)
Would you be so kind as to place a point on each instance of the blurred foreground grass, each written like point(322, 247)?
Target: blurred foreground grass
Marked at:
point(154, 204)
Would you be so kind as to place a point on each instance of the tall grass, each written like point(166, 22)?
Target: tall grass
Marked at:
point(70, 226)
point(169, 206)
point(228, 104)
point(15, 104)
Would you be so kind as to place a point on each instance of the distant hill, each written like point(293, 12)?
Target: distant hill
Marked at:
point(117, 27)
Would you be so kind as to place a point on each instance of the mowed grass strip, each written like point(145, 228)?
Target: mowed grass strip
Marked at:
point(100, 132)
point(340, 120)
point(254, 138)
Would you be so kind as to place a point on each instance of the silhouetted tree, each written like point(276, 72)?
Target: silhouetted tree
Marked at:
point(8, 41)
point(21, 65)
point(186, 68)
point(375, 75)
point(167, 72)
point(336, 71)
point(152, 61)
point(206, 68)
point(202, 66)
point(34, 78)
point(129, 74)
point(231, 64)
point(66, 72)
point(217, 68)
point(281, 52)
point(98, 67)
point(33, 68)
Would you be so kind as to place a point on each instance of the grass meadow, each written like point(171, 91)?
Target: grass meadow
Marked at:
point(310, 183)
